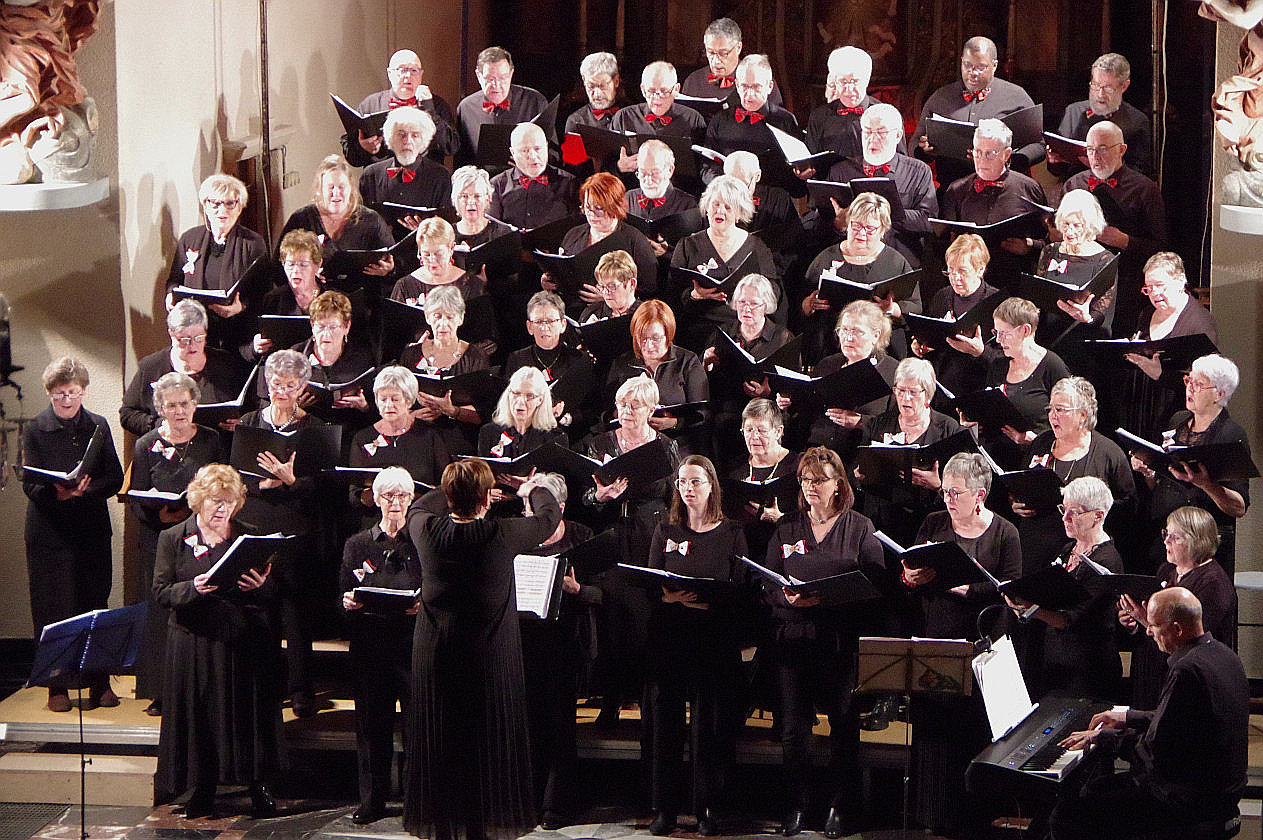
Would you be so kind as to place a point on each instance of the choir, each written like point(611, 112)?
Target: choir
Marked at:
point(428, 366)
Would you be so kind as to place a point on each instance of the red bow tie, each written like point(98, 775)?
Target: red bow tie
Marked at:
point(1091, 113)
point(723, 81)
point(980, 95)
point(980, 185)
point(526, 181)
point(495, 106)
point(645, 201)
point(1093, 183)
point(755, 199)
point(755, 116)
point(842, 112)
point(408, 174)
point(602, 113)
point(399, 103)
point(870, 171)
point(650, 116)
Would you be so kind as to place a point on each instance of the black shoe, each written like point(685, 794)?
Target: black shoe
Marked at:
point(199, 805)
point(304, 704)
point(154, 709)
point(882, 714)
point(833, 824)
point(261, 802)
point(365, 814)
point(707, 823)
point(662, 824)
point(793, 823)
point(607, 718)
point(552, 821)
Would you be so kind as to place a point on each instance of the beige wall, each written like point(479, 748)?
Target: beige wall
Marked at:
point(174, 81)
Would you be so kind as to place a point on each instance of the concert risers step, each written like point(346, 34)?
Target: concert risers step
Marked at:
point(54, 777)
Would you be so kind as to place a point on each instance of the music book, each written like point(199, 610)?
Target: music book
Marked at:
point(324, 395)
point(157, 498)
point(953, 567)
point(1229, 461)
point(568, 271)
point(500, 256)
point(992, 409)
point(1043, 208)
point(72, 476)
point(493, 147)
point(707, 106)
point(537, 580)
point(401, 324)
point(840, 291)
point(547, 118)
point(855, 385)
point(550, 457)
point(604, 146)
point(819, 193)
point(1051, 587)
point(594, 555)
point(706, 589)
point(739, 365)
point(833, 590)
point(395, 212)
point(477, 387)
point(1045, 291)
point(1035, 487)
point(362, 259)
point(643, 465)
point(209, 296)
point(1139, 587)
point(352, 120)
point(704, 278)
point(605, 338)
point(285, 331)
point(670, 229)
point(212, 414)
point(1068, 148)
point(954, 138)
point(738, 493)
point(1021, 225)
point(380, 599)
point(317, 447)
point(882, 463)
point(1176, 352)
point(885, 187)
point(799, 156)
point(547, 237)
point(246, 552)
point(934, 332)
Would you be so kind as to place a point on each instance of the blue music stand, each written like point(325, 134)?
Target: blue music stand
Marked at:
point(101, 642)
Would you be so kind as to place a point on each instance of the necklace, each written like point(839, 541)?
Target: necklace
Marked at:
point(818, 521)
point(276, 427)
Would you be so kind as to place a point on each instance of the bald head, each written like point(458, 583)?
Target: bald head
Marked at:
point(1105, 149)
point(404, 72)
point(529, 148)
point(1174, 617)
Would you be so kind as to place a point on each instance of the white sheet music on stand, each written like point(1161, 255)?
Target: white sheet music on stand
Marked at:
point(1004, 693)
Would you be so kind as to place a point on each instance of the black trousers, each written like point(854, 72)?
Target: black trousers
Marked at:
point(67, 578)
point(382, 677)
point(1113, 807)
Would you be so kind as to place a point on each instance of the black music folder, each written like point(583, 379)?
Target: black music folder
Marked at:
point(594, 555)
point(401, 324)
point(477, 387)
point(1228, 461)
point(157, 498)
point(1067, 147)
point(954, 138)
point(1044, 292)
point(1021, 225)
point(671, 229)
point(363, 258)
point(246, 552)
point(257, 278)
point(934, 332)
point(550, 457)
point(353, 121)
point(706, 589)
point(1177, 352)
point(500, 256)
point(285, 331)
point(798, 156)
point(317, 447)
point(881, 464)
point(739, 493)
point(323, 395)
point(855, 385)
point(547, 237)
point(992, 409)
point(840, 291)
point(953, 567)
point(737, 363)
point(212, 414)
point(707, 106)
point(605, 147)
point(604, 338)
point(385, 601)
point(1051, 587)
point(643, 465)
point(709, 278)
point(846, 588)
point(72, 476)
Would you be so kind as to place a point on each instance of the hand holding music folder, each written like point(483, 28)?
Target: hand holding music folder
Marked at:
point(951, 565)
point(738, 365)
point(395, 212)
point(834, 590)
point(709, 278)
point(853, 386)
point(707, 106)
point(671, 229)
point(954, 138)
point(933, 333)
point(886, 465)
point(746, 499)
point(538, 581)
point(477, 387)
point(1045, 291)
point(605, 338)
point(76, 473)
point(246, 552)
point(317, 449)
point(1228, 461)
point(363, 258)
point(708, 590)
point(798, 156)
point(1068, 148)
point(993, 410)
point(839, 291)
point(551, 457)
point(605, 147)
point(643, 465)
point(354, 123)
point(156, 498)
point(285, 331)
point(385, 601)
point(1051, 587)
point(501, 256)
point(547, 237)
point(1177, 352)
point(323, 395)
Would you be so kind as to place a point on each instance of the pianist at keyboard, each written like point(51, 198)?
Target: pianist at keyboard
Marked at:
point(1187, 756)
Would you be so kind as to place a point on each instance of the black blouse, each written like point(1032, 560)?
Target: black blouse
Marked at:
point(948, 615)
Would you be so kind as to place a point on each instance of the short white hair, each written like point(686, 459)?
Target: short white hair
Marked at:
point(638, 388)
point(742, 164)
point(396, 479)
point(597, 63)
point(407, 117)
point(1222, 373)
point(919, 371)
point(884, 113)
point(470, 176)
point(656, 149)
point(396, 376)
point(524, 132)
point(758, 61)
point(1090, 492)
point(762, 286)
point(659, 69)
point(1083, 204)
point(731, 191)
point(852, 60)
point(995, 130)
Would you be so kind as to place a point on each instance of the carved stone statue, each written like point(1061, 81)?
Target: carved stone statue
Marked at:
point(46, 118)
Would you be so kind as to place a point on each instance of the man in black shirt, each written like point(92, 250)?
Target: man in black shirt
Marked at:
point(599, 72)
point(405, 73)
point(1111, 76)
point(722, 42)
point(499, 102)
point(531, 193)
point(1188, 755)
point(745, 126)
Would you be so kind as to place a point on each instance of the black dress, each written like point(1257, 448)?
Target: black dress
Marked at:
point(220, 380)
point(699, 318)
point(813, 649)
point(758, 532)
point(818, 329)
point(694, 657)
point(821, 431)
point(419, 450)
point(459, 438)
point(68, 555)
point(1029, 397)
point(158, 464)
point(901, 513)
point(571, 376)
point(948, 615)
point(199, 262)
point(468, 769)
point(221, 700)
point(1081, 659)
point(381, 654)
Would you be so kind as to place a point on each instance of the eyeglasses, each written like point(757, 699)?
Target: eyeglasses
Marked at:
point(280, 389)
point(1005, 335)
point(1158, 288)
point(406, 70)
point(653, 339)
point(969, 67)
point(847, 82)
point(216, 203)
point(1100, 150)
point(691, 483)
point(1063, 409)
point(652, 173)
point(191, 340)
point(66, 396)
point(631, 406)
point(715, 53)
point(811, 483)
point(1072, 512)
point(749, 304)
point(545, 323)
point(756, 433)
point(656, 93)
point(182, 404)
point(908, 392)
point(296, 265)
point(1195, 386)
point(396, 498)
point(852, 332)
point(325, 328)
point(525, 395)
point(867, 230)
point(1104, 90)
point(960, 274)
point(986, 154)
point(1169, 535)
point(882, 132)
point(610, 287)
point(593, 210)
point(591, 86)
point(470, 196)
point(757, 87)
point(954, 493)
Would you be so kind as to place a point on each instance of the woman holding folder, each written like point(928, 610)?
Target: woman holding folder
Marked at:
point(694, 650)
point(221, 709)
point(523, 420)
point(815, 638)
point(1075, 256)
point(302, 259)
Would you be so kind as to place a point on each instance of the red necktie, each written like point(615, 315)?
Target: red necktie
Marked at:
point(650, 116)
point(495, 106)
point(602, 113)
point(980, 185)
point(526, 182)
point(754, 116)
point(723, 81)
point(408, 174)
point(980, 95)
point(645, 201)
point(399, 103)
point(1092, 113)
point(870, 171)
point(842, 112)
point(1093, 183)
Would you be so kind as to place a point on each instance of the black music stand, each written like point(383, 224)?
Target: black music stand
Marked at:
point(94, 643)
point(913, 666)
